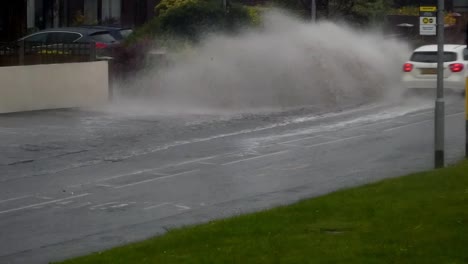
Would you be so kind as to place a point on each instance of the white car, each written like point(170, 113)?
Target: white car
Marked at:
point(420, 72)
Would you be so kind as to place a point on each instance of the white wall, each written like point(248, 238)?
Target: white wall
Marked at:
point(51, 86)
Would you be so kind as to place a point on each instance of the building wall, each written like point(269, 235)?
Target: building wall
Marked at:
point(91, 11)
point(137, 12)
point(13, 20)
point(70, 85)
point(111, 10)
point(460, 5)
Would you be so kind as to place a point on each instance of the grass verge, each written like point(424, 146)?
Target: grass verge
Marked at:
point(420, 218)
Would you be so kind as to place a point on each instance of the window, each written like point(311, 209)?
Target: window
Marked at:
point(431, 56)
point(465, 54)
point(41, 37)
point(70, 37)
point(126, 32)
point(62, 37)
point(104, 37)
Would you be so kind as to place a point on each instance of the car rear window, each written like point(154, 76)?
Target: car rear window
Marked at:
point(105, 37)
point(432, 56)
point(126, 32)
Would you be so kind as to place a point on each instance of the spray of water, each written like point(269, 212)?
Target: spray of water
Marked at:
point(288, 63)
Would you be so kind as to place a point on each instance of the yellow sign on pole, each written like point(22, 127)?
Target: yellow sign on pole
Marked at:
point(427, 8)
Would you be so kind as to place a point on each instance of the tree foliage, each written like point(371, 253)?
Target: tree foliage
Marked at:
point(189, 19)
point(358, 11)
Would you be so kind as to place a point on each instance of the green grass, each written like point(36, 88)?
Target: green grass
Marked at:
point(421, 218)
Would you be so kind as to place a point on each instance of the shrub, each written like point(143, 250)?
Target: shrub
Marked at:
point(189, 19)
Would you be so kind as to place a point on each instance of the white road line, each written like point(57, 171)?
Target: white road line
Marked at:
point(334, 141)
point(148, 170)
point(461, 113)
point(254, 158)
point(183, 207)
point(420, 114)
point(44, 203)
point(206, 163)
point(299, 139)
point(127, 174)
point(119, 205)
point(104, 185)
point(102, 205)
point(14, 199)
point(420, 122)
point(193, 161)
point(155, 206)
point(375, 124)
point(407, 125)
point(155, 179)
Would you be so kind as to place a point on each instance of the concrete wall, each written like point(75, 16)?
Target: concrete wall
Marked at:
point(51, 86)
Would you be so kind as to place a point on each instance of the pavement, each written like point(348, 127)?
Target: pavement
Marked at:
point(74, 182)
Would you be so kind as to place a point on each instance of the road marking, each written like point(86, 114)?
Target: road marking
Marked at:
point(206, 163)
point(104, 185)
point(127, 174)
point(155, 179)
point(44, 203)
point(299, 139)
point(155, 206)
point(375, 124)
point(257, 157)
point(407, 125)
point(152, 170)
point(183, 207)
point(119, 205)
point(14, 199)
point(334, 141)
point(461, 113)
point(420, 114)
point(420, 122)
point(102, 205)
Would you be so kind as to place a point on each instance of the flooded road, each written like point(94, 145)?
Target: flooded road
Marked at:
point(74, 182)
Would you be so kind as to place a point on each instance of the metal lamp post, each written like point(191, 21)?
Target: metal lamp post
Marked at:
point(440, 103)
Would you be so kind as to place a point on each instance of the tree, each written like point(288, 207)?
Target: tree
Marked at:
point(189, 19)
point(360, 11)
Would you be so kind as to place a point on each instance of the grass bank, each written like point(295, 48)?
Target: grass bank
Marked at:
point(420, 218)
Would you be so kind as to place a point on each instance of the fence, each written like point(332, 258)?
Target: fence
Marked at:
point(32, 53)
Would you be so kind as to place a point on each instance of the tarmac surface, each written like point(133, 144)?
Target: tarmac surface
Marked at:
point(74, 182)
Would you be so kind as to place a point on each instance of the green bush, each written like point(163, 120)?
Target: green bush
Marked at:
point(190, 19)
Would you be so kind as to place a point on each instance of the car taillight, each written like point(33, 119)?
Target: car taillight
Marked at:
point(100, 45)
point(407, 67)
point(456, 67)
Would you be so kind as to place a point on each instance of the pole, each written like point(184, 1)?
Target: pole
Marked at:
point(313, 10)
point(466, 117)
point(225, 6)
point(21, 52)
point(440, 104)
point(466, 100)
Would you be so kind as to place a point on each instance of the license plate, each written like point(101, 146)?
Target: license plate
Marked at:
point(429, 71)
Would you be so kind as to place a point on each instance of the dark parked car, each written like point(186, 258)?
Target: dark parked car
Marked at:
point(61, 37)
point(118, 32)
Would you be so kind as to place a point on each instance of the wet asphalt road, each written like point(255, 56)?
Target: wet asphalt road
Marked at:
point(75, 182)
